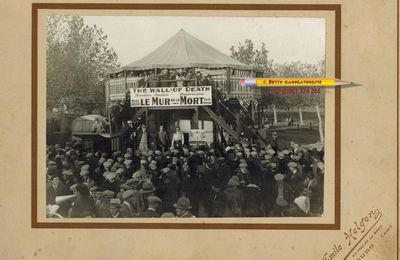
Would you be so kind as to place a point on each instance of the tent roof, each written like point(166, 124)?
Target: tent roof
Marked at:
point(184, 50)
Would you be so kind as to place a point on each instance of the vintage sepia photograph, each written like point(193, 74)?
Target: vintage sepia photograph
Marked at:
point(149, 117)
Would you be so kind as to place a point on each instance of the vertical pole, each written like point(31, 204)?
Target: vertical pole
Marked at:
point(228, 80)
point(108, 112)
point(252, 110)
point(196, 118)
point(147, 117)
point(259, 114)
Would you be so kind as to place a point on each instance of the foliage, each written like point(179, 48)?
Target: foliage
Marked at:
point(248, 54)
point(78, 57)
point(259, 58)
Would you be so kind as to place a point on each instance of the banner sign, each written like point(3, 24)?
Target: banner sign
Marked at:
point(197, 136)
point(171, 96)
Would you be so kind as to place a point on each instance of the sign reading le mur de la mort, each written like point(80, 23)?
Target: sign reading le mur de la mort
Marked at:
point(171, 96)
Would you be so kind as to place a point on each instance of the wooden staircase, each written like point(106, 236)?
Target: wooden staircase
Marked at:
point(221, 123)
point(239, 118)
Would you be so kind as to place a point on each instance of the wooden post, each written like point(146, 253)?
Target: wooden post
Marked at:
point(259, 115)
point(146, 114)
point(228, 80)
point(196, 117)
point(252, 110)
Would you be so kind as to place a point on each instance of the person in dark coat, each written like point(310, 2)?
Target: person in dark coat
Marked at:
point(168, 190)
point(282, 196)
point(266, 173)
point(234, 199)
point(83, 206)
point(274, 141)
point(60, 188)
point(162, 139)
point(216, 202)
point(133, 203)
point(154, 203)
point(252, 206)
point(223, 172)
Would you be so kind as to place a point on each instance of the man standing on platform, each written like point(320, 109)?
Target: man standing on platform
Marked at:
point(162, 137)
point(178, 139)
point(130, 132)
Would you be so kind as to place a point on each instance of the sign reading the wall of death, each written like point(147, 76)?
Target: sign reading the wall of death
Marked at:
point(171, 96)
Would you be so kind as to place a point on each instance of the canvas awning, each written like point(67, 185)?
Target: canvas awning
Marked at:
point(184, 51)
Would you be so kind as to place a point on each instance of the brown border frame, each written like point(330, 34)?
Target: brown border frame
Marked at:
point(102, 225)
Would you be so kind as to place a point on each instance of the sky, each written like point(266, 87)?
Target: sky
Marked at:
point(288, 39)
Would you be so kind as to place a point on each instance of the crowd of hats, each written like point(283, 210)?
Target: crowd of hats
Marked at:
point(121, 175)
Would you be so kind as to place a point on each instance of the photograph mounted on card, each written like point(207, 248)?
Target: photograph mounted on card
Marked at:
point(142, 120)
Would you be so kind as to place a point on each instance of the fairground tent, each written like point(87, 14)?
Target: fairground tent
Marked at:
point(185, 51)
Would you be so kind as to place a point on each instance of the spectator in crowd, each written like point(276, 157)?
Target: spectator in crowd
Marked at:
point(182, 207)
point(98, 126)
point(152, 80)
point(164, 78)
point(82, 206)
point(151, 211)
point(180, 77)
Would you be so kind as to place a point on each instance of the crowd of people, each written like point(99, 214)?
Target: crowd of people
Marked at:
point(243, 180)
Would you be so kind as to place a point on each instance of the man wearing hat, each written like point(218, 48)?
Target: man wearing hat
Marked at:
point(152, 80)
point(294, 175)
point(216, 202)
point(102, 203)
point(168, 187)
point(119, 163)
point(154, 203)
point(274, 141)
point(182, 207)
point(282, 196)
point(243, 173)
point(133, 203)
point(130, 133)
point(234, 199)
point(130, 169)
point(147, 190)
point(111, 182)
point(115, 208)
point(83, 205)
point(253, 199)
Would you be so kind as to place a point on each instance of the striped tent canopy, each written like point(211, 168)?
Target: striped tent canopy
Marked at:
point(184, 51)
